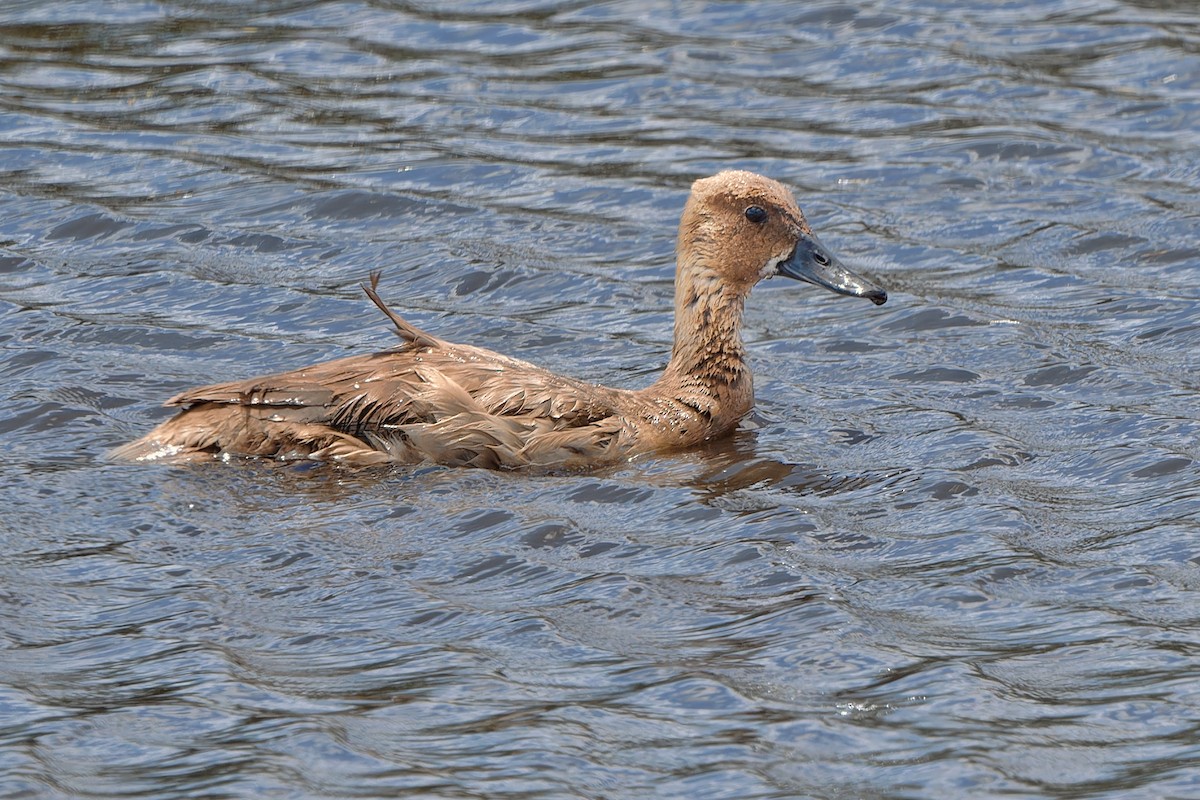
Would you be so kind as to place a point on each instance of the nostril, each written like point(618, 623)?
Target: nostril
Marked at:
point(821, 259)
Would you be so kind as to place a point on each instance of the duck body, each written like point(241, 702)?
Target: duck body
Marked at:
point(432, 400)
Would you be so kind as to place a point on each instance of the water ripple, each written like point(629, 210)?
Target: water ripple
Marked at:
point(952, 553)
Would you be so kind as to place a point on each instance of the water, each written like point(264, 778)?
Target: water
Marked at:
point(954, 553)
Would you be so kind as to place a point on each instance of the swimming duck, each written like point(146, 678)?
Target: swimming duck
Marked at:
point(428, 399)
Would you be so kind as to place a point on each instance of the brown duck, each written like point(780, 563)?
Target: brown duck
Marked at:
point(431, 400)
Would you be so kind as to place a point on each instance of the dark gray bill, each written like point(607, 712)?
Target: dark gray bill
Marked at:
point(811, 262)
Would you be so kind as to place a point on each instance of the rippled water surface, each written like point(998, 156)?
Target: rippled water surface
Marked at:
point(955, 552)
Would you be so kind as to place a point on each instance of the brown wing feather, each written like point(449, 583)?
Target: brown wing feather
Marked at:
point(407, 404)
point(423, 400)
point(411, 334)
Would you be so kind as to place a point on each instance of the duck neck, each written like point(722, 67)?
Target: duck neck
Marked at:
point(708, 353)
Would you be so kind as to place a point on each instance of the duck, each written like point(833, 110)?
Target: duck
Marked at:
point(428, 399)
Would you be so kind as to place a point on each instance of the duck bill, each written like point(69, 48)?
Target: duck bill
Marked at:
point(811, 262)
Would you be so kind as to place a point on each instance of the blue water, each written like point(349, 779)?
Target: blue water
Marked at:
point(955, 552)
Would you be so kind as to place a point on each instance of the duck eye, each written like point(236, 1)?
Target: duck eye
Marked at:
point(756, 214)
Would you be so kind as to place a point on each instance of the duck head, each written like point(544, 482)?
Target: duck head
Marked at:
point(744, 228)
